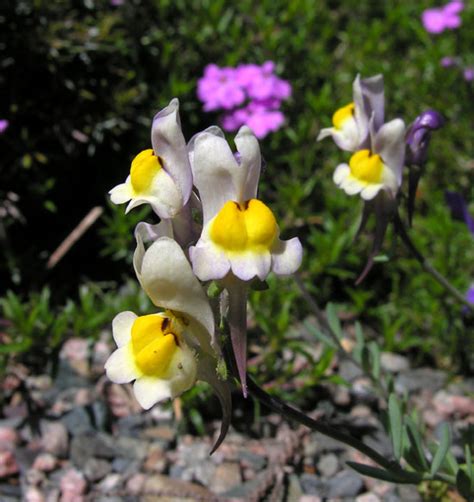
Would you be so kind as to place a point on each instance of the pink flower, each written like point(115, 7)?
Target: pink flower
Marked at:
point(256, 116)
point(218, 88)
point(469, 74)
point(3, 125)
point(436, 20)
point(447, 61)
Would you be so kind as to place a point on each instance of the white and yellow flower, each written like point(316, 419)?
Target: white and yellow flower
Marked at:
point(160, 176)
point(240, 233)
point(350, 130)
point(160, 351)
point(378, 167)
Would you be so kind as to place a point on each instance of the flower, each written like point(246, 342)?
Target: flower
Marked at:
point(436, 20)
point(160, 176)
point(249, 95)
point(3, 125)
point(419, 135)
point(161, 351)
point(468, 74)
point(240, 233)
point(218, 88)
point(350, 129)
point(447, 61)
point(470, 295)
point(459, 209)
point(378, 167)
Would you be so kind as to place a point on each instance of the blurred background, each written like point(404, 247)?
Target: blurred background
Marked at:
point(80, 82)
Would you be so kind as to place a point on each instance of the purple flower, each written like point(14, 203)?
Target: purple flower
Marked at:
point(218, 88)
point(447, 61)
point(436, 20)
point(3, 125)
point(468, 74)
point(419, 135)
point(256, 116)
point(470, 295)
point(459, 209)
point(117, 3)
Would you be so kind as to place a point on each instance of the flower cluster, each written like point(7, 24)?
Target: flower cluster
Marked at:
point(447, 17)
point(379, 152)
point(165, 352)
point(248, 95)
point(3, 125)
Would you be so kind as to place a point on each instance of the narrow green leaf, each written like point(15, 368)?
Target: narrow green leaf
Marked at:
point(333, 320)
point(469, 465)
point(416, 442)
point(375, 353)
point(463, 484)
point(396, 425)
point(319, 335)
point(442, 450)
point(451, 463)
point(360, 342)
point(384, 475)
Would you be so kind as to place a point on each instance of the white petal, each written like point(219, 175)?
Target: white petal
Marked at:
point(151, 390)
point(287, 256)
point(373, 92)
point(389, 143)
point(120, 366)
point(341, 172)
point(120, 194)
point(352, 186)
point(164, 197)
point(214, 167)
point(169, 144)
point(182, 371)
point(324, 133)
point(370, 191)
point(250, 162)
point(168, 279)
point(250, 265)
point(216, 131)
point(361, 112)
point(122, 327)
point(348, 137)
point(208, 262)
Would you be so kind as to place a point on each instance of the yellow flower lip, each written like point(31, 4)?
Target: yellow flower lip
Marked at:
point(144, 168)
point(342, 114)
point(241, 227)
point(155, 340)
point(366, 166)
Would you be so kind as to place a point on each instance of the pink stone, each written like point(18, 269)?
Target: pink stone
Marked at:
point(8, 464)
point(32, 494)
point(73, 486)
point(55, 438)
point(8, 436)
point(45, 462)
point(135, 484)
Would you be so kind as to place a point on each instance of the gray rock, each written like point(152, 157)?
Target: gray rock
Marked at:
point(345, 484)
point(294, 491)
point(95, 469)
point(394, 363)
point(78, 421)
point(252, 460)
point(348, 370)
point(98, 445)
point(225, 477)
point(420, 379)
point(313, 485)
point(130, 447)
point(328, 465)
point(125, 466)
point(100, 415)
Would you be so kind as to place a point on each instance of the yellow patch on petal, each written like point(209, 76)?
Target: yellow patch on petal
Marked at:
point(244, 227)
point(144, 168)
point(154, 343)
point(341, 115)
point(366, 166)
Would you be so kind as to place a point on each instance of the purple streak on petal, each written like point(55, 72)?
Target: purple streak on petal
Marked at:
point(3, 125)
point(459, 209)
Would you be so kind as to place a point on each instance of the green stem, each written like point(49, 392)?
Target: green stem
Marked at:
point(409, 244)
point(321, 317)
point(288, 411)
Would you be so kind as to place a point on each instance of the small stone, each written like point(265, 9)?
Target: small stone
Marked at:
point(73, 485)
point(294, 491)
point(164, 433)
point(156, 460)
point(368, 497)
point(348, 370)
point(345, 484)
point(32, 494)
point(252, 460)
point(131, 447)
point(54, 438)
point(448, 405)
point(328, 465)
point(8, 464)
point(420, 379)
point(8, 436)
point(125, 466)
point(342, 397)
point(34, 477)
point(226, 476)
point(98, 445)
point(96, 469)
point(45, 462)
point(78, 421)
point(394, 363)
point(158, 484)
point(313, 485)
point(310, 498)
point(136, 484)
point(111, 483)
